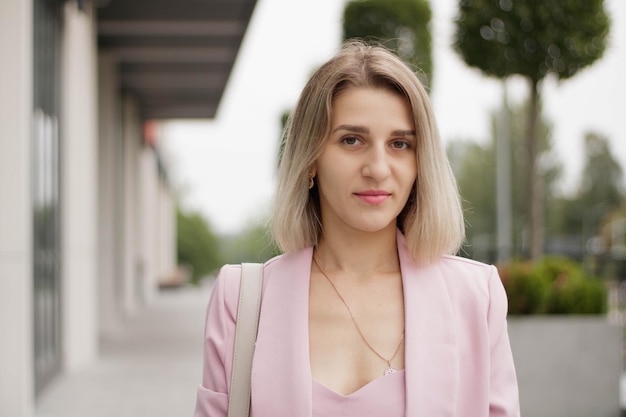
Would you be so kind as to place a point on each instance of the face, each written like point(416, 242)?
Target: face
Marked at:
point(368, 165)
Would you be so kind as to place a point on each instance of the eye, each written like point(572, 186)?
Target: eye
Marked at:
point(401, 144)
point(350, 140)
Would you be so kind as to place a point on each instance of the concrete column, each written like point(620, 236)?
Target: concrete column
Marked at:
point(131, 263)
point(16, 279)
point(149, 221)
point(167, 230)
point(79, 182)
point(111, 193)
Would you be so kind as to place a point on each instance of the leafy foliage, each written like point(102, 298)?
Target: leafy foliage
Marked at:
point(531, 37)
point(602, 179)
point(600, 192)
point(555, 285)
point(252, 245)
point(571, 220)
point(205, 252)
point(526, 290)
point(474, 166)
point(197, 245)
point(401, 25)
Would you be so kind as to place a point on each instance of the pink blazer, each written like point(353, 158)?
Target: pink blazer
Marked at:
point(458, 359)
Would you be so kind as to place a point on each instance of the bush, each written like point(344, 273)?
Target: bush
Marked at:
point(197, 247)
point(553, 285)
point(526, 290)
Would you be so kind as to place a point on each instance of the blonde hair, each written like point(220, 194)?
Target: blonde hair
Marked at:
point(432, 221)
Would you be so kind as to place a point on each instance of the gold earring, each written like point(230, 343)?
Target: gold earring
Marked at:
point(311, 182)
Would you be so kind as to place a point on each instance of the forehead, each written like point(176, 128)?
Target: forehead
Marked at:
point(369, 105)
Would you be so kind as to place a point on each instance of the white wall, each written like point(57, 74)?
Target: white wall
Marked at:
point(79, 185)
point(16, 350)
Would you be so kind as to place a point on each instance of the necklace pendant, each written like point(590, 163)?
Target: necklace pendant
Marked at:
point(390, 370)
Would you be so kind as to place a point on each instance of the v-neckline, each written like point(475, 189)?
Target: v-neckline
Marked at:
point(367, 387)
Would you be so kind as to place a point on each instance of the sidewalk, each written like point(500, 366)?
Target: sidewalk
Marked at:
point(150, 368)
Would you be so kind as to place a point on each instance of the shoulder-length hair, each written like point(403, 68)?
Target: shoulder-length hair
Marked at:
point(432, 221)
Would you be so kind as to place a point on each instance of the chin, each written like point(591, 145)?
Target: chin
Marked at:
point(376, 227)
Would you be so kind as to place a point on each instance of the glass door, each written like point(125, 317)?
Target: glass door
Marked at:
point(45, 192)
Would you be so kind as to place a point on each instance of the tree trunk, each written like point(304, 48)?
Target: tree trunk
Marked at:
point(534, 185)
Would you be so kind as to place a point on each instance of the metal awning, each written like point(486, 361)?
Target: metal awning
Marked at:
point(175, 57)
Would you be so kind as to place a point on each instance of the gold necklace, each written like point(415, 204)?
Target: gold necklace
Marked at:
point(389, 369)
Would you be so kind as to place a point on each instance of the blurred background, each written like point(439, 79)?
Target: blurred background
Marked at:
point(138, 153)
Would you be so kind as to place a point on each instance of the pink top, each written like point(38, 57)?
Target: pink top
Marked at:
point(384, 396)
point(458, 360)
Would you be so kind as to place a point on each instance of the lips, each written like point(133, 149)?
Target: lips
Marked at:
point(373, 196)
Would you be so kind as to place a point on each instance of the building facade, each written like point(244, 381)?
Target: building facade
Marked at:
point(87, 214)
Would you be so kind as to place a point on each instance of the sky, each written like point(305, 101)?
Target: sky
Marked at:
point(225, 168)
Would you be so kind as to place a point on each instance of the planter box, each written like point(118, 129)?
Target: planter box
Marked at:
point(567, 366)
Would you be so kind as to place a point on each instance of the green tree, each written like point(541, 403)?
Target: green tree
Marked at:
point(600, 191)
point(401, 25)
point(254, 244)
point(577, 219)
point(474, 165)
point(602, 177)
point(197, 245)
point(531, 38)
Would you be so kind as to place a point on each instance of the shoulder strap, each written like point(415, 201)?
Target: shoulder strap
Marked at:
point(245, 338)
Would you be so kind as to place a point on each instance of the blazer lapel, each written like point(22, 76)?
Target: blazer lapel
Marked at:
point(281, 374)
point(431, 357)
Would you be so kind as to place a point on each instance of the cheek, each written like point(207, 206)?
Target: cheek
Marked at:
point(332, 170)
point(409, 172)
point(330, 181)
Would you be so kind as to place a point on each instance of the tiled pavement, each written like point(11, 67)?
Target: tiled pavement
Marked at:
point(150, 368)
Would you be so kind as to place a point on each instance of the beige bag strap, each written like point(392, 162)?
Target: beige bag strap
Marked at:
point(245, 338)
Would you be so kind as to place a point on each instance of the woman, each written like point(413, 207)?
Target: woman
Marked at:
point(367, 312)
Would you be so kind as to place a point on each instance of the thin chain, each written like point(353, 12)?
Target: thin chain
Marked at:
point(355, 323)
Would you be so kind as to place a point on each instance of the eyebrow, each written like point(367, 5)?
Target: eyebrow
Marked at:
point(352, 128)
point(363, 129)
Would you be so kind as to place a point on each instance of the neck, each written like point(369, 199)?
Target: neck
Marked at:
point(361, 254)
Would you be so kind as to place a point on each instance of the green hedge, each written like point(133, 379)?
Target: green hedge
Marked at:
point(554, 285)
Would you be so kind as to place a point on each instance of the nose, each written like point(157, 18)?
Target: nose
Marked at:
point(376, 164)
